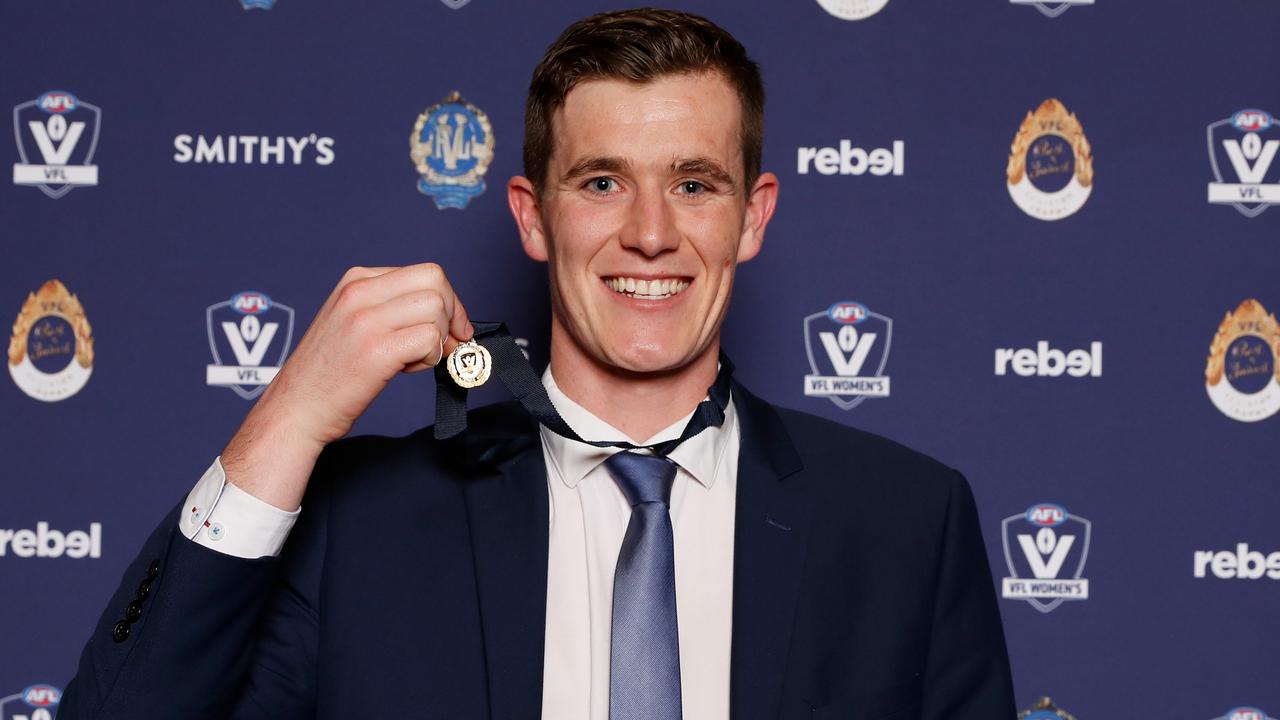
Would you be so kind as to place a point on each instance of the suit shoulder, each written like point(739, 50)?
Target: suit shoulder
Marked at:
point(824, 443)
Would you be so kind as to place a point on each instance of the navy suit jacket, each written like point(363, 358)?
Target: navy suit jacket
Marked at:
point(414, 585)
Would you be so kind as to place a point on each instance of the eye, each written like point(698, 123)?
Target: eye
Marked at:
point(602, 185)
point(692, 187)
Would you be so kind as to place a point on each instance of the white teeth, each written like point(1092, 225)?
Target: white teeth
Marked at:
point(648, 289)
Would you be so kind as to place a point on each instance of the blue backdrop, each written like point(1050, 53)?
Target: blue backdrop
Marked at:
point(975, 189)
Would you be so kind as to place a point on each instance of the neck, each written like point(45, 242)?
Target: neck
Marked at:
point(638, 403)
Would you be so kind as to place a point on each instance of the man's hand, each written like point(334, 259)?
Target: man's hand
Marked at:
point(377, 322)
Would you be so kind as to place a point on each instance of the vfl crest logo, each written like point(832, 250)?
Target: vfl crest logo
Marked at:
point(848, 347)
point(1046, 548)
point(1044, 709)
point(51, 348)
point(1245, 145)
point(57, 135)
point(1244, 713)
point(853, 9)
point(257, 4)
point(1050, 171)
point(1242, 375)
point(451, 147)
point(1052, 9)
point(37, 702)
point(455, 4)
point(254, 332)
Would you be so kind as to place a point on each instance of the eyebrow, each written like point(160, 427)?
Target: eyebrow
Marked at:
point(706, 167)
point(594, 165)
point(602, 164)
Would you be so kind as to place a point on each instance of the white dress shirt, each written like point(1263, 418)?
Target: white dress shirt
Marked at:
point(588, 518)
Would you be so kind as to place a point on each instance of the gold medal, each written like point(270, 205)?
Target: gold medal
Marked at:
point(469, 364)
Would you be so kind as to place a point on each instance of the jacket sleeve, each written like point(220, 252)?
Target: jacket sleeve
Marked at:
point(195, 633)
point(967, 674)
point(175, 638)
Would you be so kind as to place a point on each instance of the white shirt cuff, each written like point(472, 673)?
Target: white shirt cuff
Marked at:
point(222, 517)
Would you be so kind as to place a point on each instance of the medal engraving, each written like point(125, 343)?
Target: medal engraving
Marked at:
point(469, 364)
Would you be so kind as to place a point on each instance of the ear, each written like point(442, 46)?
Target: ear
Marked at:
point(760, 205)
point(523, 200)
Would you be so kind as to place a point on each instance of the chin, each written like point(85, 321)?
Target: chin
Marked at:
point(646, 356)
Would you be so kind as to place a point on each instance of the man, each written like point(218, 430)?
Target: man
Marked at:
point(770, 565)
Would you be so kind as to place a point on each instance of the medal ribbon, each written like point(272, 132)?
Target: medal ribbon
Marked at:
point(515, 372)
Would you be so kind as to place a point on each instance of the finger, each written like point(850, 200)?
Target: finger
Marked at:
point(352, 275)
point(460, 329)
point(416, 348)
point(375, 289)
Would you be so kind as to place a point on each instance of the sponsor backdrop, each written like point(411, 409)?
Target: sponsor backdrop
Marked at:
point(1031, 239)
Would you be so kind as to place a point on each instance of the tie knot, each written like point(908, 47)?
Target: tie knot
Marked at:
point(643, 478)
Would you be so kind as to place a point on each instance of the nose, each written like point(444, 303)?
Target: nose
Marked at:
point(650, 227)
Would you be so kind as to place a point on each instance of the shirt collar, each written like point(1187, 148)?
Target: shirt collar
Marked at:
point(700, 455)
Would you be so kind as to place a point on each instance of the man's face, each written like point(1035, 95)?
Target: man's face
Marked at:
point(643, 218)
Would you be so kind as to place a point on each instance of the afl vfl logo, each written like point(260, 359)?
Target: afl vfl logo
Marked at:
point(1241, 376)
point(51, 349)
point(57, 136)
point(1045, 549)
point(253, 331)
point(848, 347)
point(36, 702)
point(1050, 169)
point(1242, 153)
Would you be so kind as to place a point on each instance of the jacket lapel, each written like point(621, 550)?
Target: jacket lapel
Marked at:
point(508, 515)
point(771, 536)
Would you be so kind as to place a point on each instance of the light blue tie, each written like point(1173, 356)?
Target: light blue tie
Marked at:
point(644, 671)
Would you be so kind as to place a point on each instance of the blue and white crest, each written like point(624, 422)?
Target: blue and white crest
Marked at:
point(34, 702)
point(1045, 549)
point(848, 348)
point(255, 333)
point(1044, 709)
point(1244, 713)
point(455, 4)
point(57, 135)
point(258, 4)
point(451, 148)
point(1242, 150)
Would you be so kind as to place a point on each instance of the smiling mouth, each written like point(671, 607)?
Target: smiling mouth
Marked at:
point(656, 289)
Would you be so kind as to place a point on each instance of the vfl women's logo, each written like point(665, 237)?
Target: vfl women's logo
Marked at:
point(51, 348)
point(1041, 546)
point(1052, 9)
point(1044, 709)
point(1242, 375)
point(451, 147)
point(853, 9)
point(36, 702)
point(1245, 146)
point(256, 333)
point(1050, 171)
point(61, 132)
point(848, 347)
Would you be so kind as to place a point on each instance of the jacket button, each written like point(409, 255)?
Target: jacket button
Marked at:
point(133, 611)
point(154, 569)
point(144, 589)
point(120, 632)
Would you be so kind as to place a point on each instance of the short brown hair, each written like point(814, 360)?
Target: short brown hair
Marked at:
point(639, 45)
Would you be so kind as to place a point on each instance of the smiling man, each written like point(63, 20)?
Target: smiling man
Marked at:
point(647, 541)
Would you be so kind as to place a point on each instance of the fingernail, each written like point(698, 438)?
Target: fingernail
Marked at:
point(471, 330)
